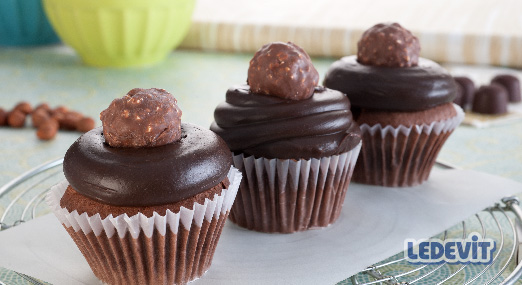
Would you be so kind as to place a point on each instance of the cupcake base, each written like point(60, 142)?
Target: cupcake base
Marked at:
point(286, 196)
point(170, 259)
point(172, 248)
point(402, 156)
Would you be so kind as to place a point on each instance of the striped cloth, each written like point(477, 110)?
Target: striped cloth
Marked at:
point(464, 31)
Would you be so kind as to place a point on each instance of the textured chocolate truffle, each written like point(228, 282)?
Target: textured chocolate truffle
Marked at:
point(283, 70)
point(512, 85)
point(490, 99)
point(467, 88)
point(389, 45)
point(142, 118)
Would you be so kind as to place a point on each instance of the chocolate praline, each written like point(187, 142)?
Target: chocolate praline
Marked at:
point(490, 99)
point(467, 88)
point(283, 70)
point(512, 85)
point(142, 118)
point(388, 45)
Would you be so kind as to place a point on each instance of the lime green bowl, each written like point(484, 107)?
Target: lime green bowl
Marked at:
point(121, 33)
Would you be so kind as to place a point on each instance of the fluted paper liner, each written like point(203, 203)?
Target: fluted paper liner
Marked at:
point(174, 248)
point(402, 156)
point(287, 195)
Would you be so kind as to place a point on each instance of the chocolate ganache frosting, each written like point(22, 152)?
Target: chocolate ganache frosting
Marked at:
point(272, 127)
point(413, 88)
point(147, 176)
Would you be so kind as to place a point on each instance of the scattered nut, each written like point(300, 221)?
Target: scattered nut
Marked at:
point(39, 116)
point(59, 109)
point(16, 118)
point(43, 106)
point(70, 120)
point(3, 117)
point(47, 130)
point(85, 124)
point(46, 120)
point(25, 107)
point(58, 116)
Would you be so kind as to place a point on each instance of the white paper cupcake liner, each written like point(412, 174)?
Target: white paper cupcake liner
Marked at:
point(287, 195)
point(402, 156)
point(436, 128)
point(162, 249)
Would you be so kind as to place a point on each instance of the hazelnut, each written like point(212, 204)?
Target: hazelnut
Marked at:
point(85, 124)
point(43, 106)
point(59, 109)
point(39, 116)
point(47, 130)
point(16, 118)
point(70, 120)
point(24, 107)
point(58, 116)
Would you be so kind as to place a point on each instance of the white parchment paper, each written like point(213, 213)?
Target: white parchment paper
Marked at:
point(372, 226)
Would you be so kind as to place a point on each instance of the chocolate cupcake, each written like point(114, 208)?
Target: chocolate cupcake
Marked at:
point(403, 104)
point(146, 196)
point(295, 143)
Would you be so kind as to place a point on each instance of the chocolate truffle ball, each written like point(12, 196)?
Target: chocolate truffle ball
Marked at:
point(388, 44)
point(490, 99)
point(142, 118)
point(512, 85)
point(468, 89)
point(283, 70)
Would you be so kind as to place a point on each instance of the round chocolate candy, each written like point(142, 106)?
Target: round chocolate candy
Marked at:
point(467, 89)
point(512, 85)
point(490, 99)
point(388, 44)
point(284, 70)
point(142, 118)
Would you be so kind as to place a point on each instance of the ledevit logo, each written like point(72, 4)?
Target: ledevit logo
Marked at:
point(473, 249)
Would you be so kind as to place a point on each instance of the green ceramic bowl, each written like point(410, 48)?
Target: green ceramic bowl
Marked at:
point(121, 33)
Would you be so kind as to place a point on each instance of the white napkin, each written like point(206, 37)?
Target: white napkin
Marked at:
point(373, 225)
